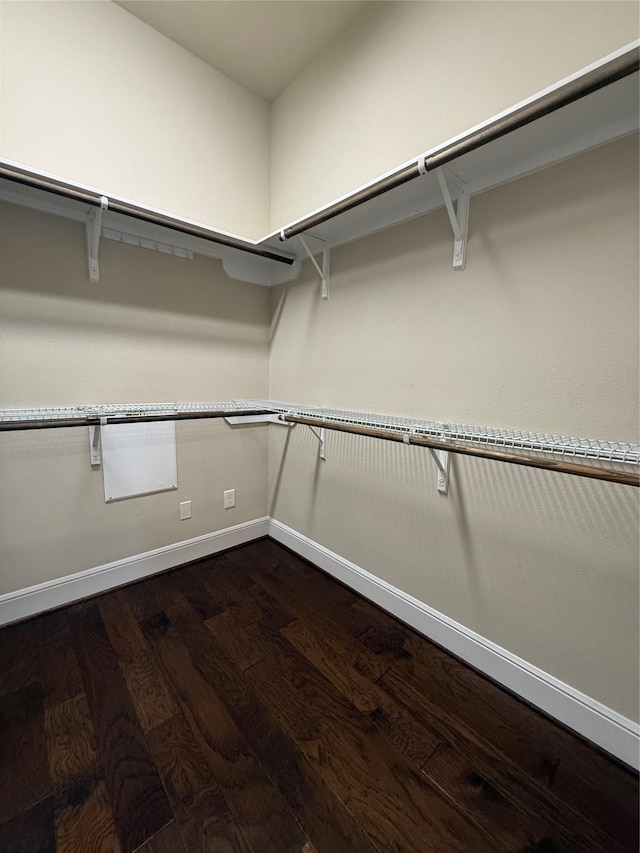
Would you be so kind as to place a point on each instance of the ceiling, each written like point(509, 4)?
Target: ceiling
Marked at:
point(262, 44)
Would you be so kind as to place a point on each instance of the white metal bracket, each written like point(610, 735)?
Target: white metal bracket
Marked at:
point(236, 420)
point(95, 445)
point(459, 218)
point(320, 436)
point(442, 459)
point(94, 228)
point(325, 272)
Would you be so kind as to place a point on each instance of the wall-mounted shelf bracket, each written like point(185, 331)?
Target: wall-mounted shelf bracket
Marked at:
point(95, 442)
point(236, 420)
point(325, 271)
point(458, 216)
point(94, 228)
point(319, 434)
point(442, 459)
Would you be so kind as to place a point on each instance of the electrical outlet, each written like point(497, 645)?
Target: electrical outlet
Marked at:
point(185, 510)
point(229, 498)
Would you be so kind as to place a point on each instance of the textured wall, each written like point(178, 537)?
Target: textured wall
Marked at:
point(156, 328)
point(540, 332)
point(90, 93)
point(407, 76)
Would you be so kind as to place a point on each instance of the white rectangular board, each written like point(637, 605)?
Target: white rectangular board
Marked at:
point(138, 459)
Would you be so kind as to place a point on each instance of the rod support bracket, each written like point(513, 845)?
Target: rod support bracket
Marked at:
point(458, 217)
point(94, 230)
point(325, 271)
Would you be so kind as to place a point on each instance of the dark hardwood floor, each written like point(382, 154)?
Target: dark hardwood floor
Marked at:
point(250, 703)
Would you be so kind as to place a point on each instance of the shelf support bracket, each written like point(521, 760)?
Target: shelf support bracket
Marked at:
point(238, 420)
point(442, 458)
point(95, 445)
point(325, 271)
point(458, 217)
point(94, 228)
point(319, 434)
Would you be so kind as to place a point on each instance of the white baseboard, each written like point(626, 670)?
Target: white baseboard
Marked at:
point(601, 725)
point(56, 593)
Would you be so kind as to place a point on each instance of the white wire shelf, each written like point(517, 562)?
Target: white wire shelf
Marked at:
point(584, 448)
point(56, 416)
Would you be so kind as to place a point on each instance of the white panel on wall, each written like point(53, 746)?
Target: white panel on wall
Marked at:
point(138, 459)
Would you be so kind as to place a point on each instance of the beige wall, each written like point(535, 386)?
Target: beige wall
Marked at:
point(156, 328)
point(540, 333)
point(406, 76)
point(90, 93)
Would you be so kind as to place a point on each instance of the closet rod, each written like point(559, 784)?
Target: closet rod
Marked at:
point(572, 91)
point(625, 478)
point(61, 423)
point(30, 178)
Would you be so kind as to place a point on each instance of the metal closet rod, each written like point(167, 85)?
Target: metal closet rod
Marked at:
point(600, 77)
point(33, 179)
point(625, 478)
point(62, 423)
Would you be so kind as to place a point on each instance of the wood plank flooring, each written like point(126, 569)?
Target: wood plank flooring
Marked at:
point(250, 703)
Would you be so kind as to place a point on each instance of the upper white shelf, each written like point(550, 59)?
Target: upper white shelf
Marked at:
point(603, 116)
point(238, 263)
point(607, 114)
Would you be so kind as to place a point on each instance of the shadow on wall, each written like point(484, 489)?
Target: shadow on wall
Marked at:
point(280, 296)
point(155, 327)
point(45, 254)
point(39, 315)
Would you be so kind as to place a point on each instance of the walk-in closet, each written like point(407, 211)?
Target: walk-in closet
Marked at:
point(319, 426)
